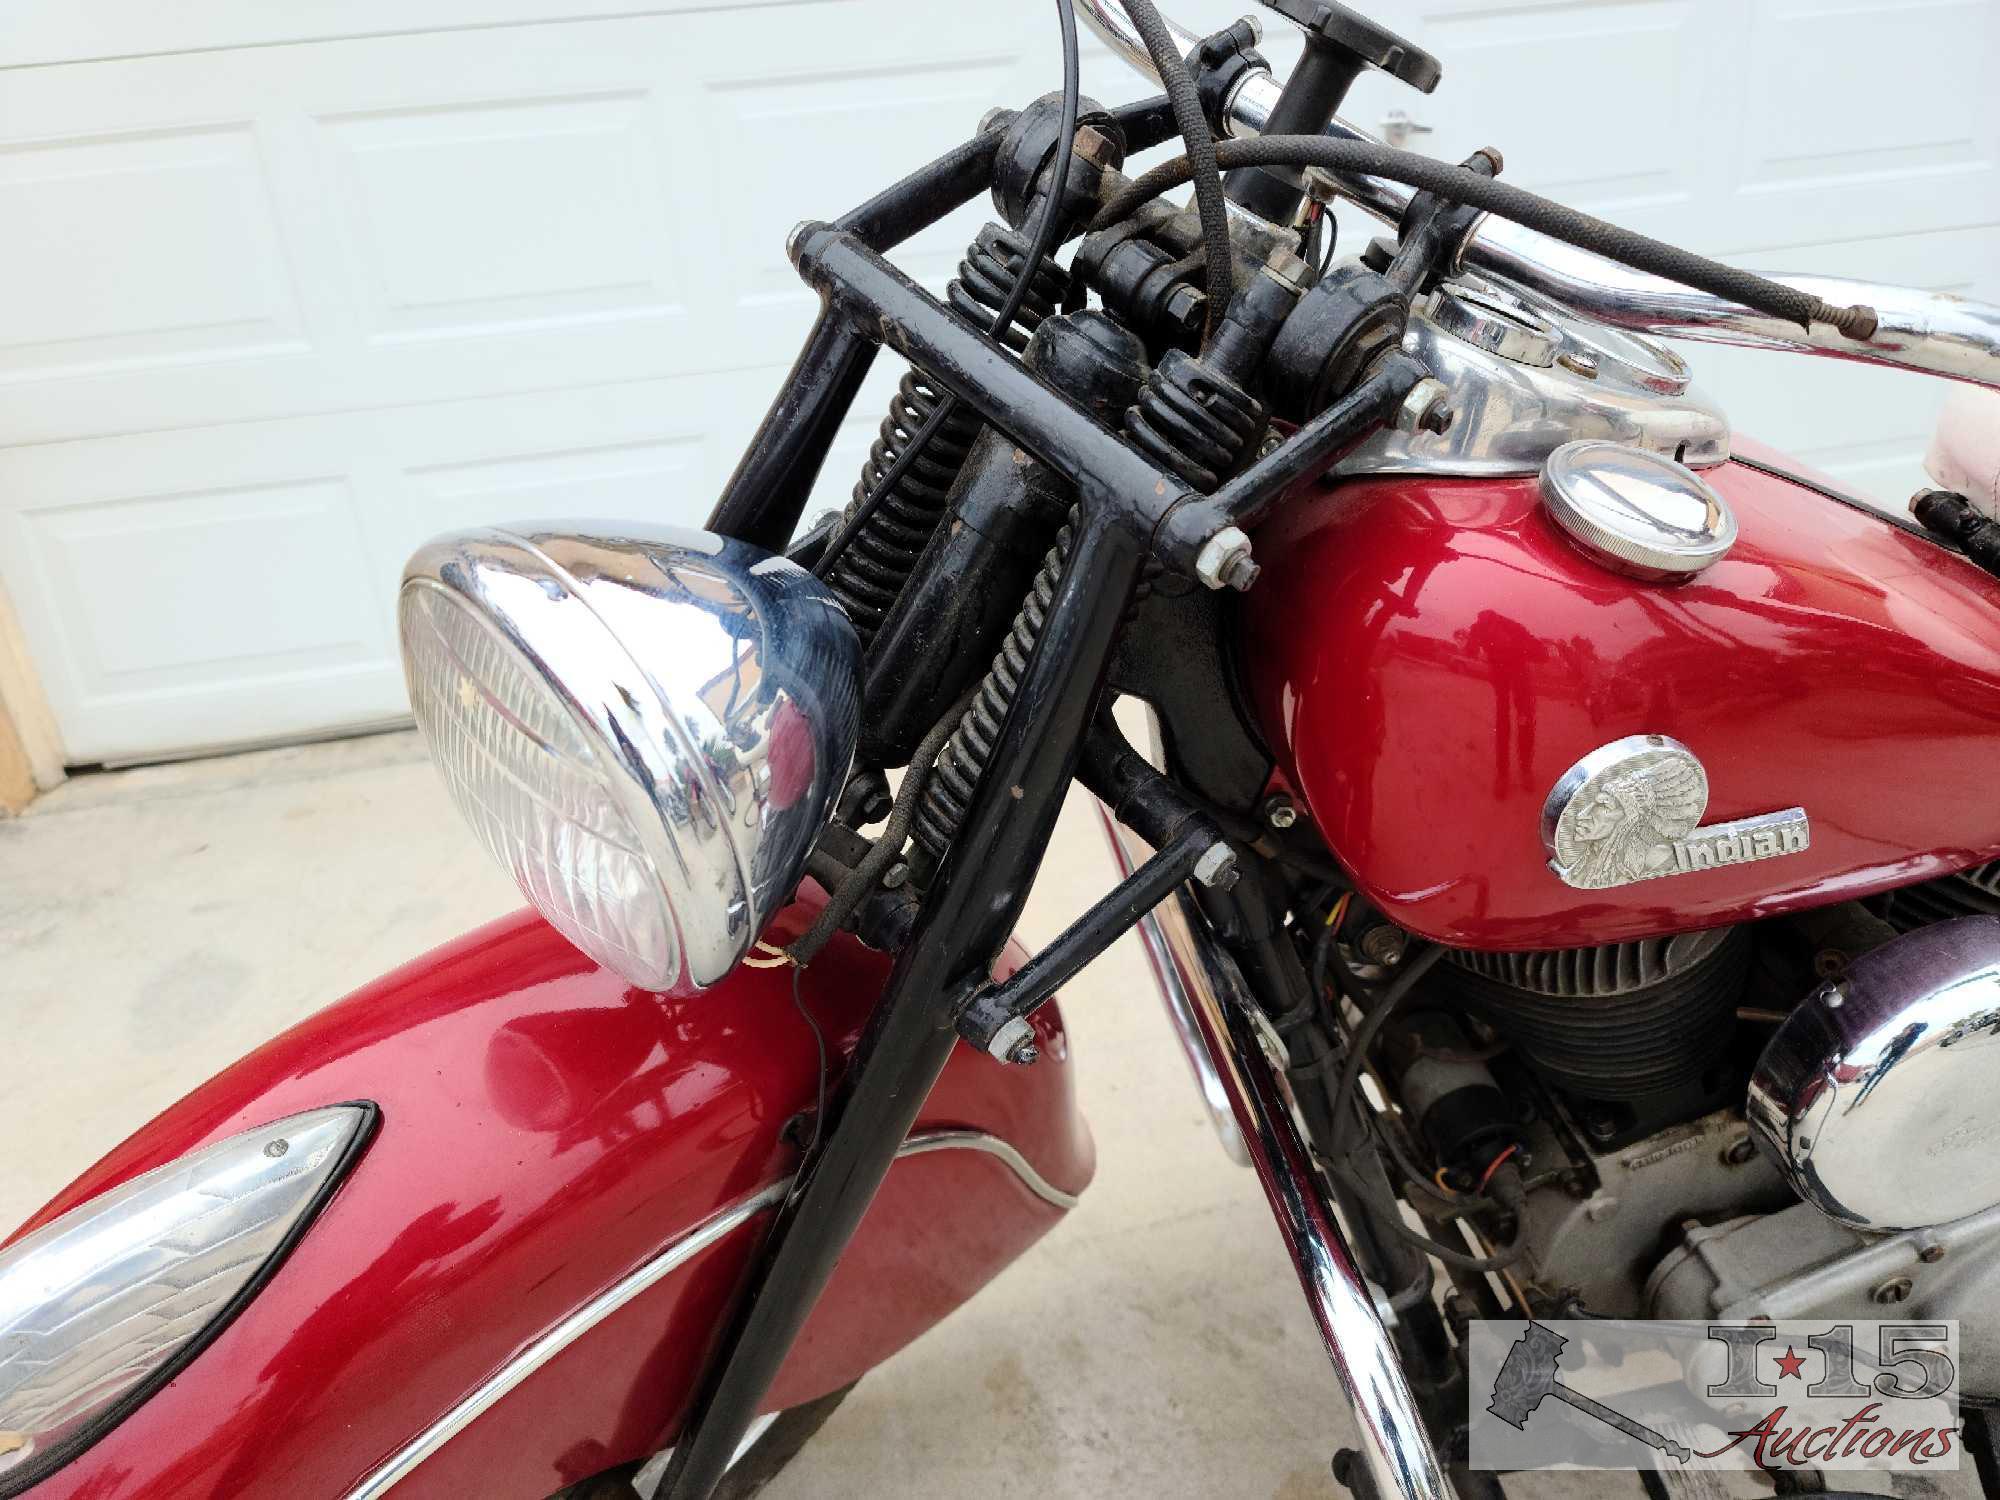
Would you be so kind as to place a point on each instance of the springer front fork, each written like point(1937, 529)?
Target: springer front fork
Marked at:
point(973, 903)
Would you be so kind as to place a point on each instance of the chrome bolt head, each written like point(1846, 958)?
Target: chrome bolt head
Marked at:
point(1280, 812)
point(1225, 562)
point(1216, 869)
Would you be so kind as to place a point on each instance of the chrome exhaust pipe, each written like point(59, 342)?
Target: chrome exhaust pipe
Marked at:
point(1932, 332)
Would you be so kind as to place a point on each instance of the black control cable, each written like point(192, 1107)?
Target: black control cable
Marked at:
point(1572, 226)
point(1048, 228)
point(1219, 272)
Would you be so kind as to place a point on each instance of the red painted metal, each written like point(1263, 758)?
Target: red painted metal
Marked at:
point(1430, 655)
point(546, 1129)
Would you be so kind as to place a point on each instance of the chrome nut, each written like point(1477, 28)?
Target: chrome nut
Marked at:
point(1014, 1042)
point(1217, 868)
point(1225, 562)
point(1426, 409)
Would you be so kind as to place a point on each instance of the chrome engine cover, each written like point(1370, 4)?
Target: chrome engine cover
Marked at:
point(1875, 1097)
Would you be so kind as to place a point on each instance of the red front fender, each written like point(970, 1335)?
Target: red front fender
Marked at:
point(546, 1131)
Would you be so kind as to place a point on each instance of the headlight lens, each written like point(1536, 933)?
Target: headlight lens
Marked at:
point(103, 1306)
point(647, 729)
point(539, 798)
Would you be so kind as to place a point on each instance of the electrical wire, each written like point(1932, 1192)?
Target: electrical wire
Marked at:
point(819, 1041)
point(1048, 227)
point(1219, 274)
point(1460, 185)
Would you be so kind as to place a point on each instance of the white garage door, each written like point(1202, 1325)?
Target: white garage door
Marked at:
point(285, 288)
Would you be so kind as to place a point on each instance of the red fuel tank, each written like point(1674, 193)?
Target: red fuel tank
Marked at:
point(1429, 657)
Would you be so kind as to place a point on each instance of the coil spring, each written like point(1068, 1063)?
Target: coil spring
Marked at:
point(1191, 419)
point(987, 277)
point(1195, 421)
point(870, 573)
point(959, 766)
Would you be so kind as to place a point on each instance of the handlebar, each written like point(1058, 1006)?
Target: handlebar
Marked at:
point(1932, 332)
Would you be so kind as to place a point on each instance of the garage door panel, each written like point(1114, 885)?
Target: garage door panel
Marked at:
point(140, 251)
point(467, 218)
point(862, 129)
point(433, 217)
point(1587, 153)
point(165, 610)
point(43, 32)
point(1848, 145)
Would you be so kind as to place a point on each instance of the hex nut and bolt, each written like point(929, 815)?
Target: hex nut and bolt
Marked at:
point(1280, 812)
point(1225, 562)
point(277, 1148)
point(1426, 409)
point(1216, 869)
point(894, 877)
point(1186, 307)
point(1097, 148)
point(994, 118)
point(1895, 1289)
point(792, 240)
point(1384, 945)
point(1015, 1042)
point(1930, 1255)
point(1739, 1152)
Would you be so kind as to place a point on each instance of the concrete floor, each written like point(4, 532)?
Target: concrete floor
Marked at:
point(156, 923)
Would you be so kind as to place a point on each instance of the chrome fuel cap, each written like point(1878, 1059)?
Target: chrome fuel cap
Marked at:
point(1636, 512)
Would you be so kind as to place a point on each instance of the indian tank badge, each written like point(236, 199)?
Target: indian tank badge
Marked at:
point(1631, 810)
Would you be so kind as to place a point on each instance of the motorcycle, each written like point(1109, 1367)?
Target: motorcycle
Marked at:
point(1552, 806)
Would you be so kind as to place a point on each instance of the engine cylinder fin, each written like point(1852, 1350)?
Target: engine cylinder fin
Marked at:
point(1621, 1022)
point(1969, 893)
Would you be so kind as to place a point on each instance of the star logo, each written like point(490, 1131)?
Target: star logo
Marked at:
point(1790, 1363)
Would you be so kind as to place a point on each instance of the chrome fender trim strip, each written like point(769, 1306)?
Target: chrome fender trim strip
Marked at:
point(709, 1232)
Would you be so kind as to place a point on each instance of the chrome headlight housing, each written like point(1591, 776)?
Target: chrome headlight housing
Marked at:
point(103, 1306)
point(647, 727)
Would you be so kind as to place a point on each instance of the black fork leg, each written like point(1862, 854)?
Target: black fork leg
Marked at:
point(967, 916)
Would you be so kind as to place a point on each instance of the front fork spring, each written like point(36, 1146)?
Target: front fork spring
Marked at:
point(870, 573)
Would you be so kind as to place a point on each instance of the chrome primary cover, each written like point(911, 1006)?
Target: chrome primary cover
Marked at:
point(1876, 1096)
point(1527, 376)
